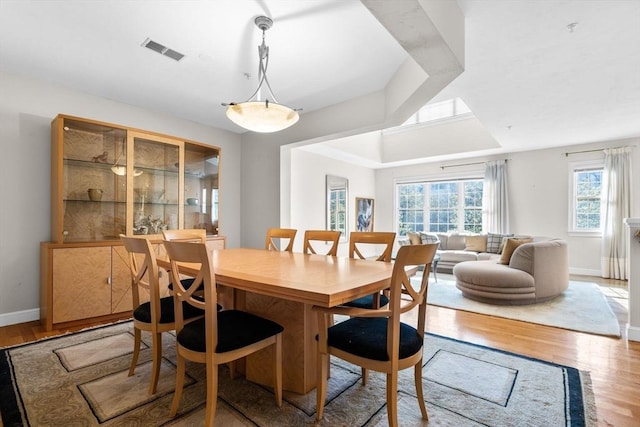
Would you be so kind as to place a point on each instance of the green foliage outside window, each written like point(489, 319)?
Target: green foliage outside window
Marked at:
point(441, 206)
point(337, 209)
point(588, 190)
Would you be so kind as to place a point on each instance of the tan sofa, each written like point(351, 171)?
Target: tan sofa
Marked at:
point(536, 272)
point(455, 247)
point(453, 250)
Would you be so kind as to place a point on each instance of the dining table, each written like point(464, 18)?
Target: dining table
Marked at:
point(284, 286)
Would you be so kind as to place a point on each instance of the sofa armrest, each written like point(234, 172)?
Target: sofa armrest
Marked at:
point(548, 263)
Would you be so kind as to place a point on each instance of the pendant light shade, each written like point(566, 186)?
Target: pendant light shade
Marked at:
point(262, 116)
point(256, 114)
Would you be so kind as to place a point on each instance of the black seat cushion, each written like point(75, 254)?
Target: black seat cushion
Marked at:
point(143, 312)
point(367, 302)
point(367, 337)
point(236, 329)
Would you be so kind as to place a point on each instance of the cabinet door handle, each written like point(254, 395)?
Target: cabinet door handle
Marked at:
point(109, 280)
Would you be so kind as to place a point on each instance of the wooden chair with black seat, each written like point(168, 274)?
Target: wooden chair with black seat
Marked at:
point(151, 312)
point(376, 339)
point(375, 245)
point(194, 235)
point(314, 239)
point(280, 239)
point(220, 336)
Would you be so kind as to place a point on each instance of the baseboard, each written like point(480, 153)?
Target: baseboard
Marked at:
point(633, 333)
point(19, 317)
point(584, 272)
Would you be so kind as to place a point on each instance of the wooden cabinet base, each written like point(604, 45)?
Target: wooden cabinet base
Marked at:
point(86, 283)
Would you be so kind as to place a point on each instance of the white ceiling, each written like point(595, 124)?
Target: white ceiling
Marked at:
point(530, 81)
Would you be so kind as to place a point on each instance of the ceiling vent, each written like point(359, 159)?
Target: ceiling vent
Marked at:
point(163, 50)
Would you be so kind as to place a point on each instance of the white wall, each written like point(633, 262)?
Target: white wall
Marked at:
point(538, 194)
point(26, 110)
point(307, 188)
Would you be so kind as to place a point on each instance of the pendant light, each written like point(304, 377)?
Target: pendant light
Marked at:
point(257, 114)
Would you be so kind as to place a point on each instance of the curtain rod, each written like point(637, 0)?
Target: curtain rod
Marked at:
point(466, 164)
point(593, 151)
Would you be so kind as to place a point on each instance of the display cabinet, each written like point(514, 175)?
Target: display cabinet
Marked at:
point(109, 180)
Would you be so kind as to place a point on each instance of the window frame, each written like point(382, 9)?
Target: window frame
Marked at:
point(575, 167)
point(472, 175)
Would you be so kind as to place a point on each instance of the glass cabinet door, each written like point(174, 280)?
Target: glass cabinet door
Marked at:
point(109, 180)
point(92, 205)
point(156, 184)
point(201, 187)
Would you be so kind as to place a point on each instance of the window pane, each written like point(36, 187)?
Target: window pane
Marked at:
point(587, 199)
point(410, 212)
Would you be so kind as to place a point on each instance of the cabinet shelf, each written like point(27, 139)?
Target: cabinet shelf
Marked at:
point(104, 202)
point(107, 167)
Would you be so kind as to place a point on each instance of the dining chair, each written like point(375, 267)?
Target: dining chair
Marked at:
point(152, 312)
point(314, 239)
point(186, 235)
point(375, 245)
point(376, 339)
point(218, 337)
point(277, 238)
point(196, 235)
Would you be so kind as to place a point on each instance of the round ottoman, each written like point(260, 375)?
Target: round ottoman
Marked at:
point(490, 282)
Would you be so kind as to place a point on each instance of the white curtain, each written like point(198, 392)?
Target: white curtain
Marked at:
point(495, 204)
point(616, 205)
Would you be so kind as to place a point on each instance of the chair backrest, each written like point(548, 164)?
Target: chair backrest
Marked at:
point(362, 243)
point(198, 235)
point(285, 236)
point(143, 267)
point(403, 297)
point(313, 240)
point(194, 253)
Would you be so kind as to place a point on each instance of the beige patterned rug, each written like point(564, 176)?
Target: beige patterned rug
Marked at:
point(582, 307)
point(81, 380)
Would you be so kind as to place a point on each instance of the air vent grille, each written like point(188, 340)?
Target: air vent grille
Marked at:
point(162, 49)
point(173, 54)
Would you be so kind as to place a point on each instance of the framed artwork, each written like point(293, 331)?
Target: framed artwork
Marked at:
point(364, 214)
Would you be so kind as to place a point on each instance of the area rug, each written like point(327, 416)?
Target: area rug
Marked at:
point(81, 379)
point(582, 307)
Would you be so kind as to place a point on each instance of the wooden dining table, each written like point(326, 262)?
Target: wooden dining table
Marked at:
point(283, 286)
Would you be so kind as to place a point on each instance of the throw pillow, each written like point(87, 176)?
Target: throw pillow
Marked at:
point(495, 243)
point(502, 243)
point(510, 247)
point(414, 238)
point(475, 243)
point(428, 238)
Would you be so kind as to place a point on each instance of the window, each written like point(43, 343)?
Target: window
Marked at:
point(439, 206)
point(203, 202)
point(438, 110)
point(214, 205)
point(586, 192)
point(338, 209)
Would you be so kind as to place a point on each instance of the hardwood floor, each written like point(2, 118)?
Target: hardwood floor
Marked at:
point(614, 363)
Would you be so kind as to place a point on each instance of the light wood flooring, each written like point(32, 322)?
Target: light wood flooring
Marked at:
point(614, 363)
